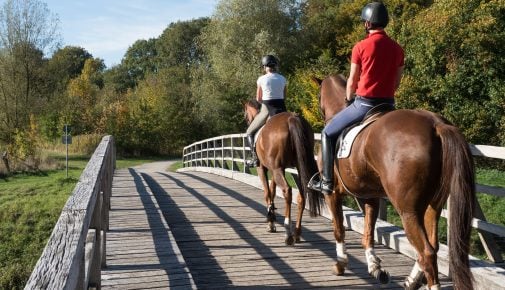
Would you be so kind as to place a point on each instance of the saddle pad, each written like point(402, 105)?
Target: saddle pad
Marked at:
point(345, 147)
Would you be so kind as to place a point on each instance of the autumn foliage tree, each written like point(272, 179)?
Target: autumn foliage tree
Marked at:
point(455, 66)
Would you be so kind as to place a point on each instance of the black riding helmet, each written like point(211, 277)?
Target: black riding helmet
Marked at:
point(376, 13)
point(269, 60)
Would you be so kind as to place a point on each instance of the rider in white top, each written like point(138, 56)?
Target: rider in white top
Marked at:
point(271, 89)
point(272, 85)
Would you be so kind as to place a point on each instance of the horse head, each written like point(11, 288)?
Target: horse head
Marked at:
point(251, 109)
point(331, 95)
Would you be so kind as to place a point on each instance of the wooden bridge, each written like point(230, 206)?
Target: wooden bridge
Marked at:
point(204, 228)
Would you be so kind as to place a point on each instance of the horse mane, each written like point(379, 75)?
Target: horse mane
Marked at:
point(339, 80)
point(253, 103)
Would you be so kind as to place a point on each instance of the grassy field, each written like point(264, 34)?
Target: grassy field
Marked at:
point(30, 205)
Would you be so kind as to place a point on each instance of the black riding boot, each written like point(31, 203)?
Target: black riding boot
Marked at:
point(253, 162)
point(324, 183)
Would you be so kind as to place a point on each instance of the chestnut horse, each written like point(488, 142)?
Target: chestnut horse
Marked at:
point(416, 159)
point(286, 140)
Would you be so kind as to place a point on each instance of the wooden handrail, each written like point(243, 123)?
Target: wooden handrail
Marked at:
point(75, 252)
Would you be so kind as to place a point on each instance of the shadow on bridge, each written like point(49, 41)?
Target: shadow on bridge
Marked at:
point(214, 275)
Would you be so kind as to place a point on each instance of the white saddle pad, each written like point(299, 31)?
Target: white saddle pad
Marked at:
point(345, 148)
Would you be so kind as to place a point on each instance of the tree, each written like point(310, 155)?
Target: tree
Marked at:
point(239, 34)
point(83, 92)
point(455, 66)
point(140, 59)
point(27, 30)
point(178, 44)
point(65, 64)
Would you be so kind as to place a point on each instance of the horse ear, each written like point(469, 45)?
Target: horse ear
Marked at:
point(316, 80)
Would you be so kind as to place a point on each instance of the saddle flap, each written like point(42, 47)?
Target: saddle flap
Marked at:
point(347, 138)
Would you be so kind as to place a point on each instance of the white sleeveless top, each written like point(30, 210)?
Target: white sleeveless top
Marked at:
point(272, 86)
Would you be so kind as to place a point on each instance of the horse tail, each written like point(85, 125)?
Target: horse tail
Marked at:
point(458, 180)
point(302, 139)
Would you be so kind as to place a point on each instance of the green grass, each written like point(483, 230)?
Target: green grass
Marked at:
point(30, 205)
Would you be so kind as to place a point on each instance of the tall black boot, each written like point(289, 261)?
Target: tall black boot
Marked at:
point(253, 162)
point(324, 183)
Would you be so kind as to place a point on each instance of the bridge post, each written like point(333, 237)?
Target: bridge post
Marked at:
point(95, 278)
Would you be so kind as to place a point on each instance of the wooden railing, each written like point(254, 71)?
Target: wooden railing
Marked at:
point(229, 152)
point(75, 252)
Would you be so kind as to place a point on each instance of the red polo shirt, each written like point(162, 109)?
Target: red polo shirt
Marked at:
point(379, 57)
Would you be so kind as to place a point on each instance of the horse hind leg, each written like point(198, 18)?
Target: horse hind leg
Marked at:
point(416, 277)
point(271, 216)
point(301, 208)
point(427, 257)
point(278, 176)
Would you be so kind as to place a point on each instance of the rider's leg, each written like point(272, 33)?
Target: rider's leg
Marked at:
point(325, 183)
point(254, 158)
point(350, 115)
point(255, 125)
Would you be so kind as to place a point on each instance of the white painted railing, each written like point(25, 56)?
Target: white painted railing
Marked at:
point(229, 152)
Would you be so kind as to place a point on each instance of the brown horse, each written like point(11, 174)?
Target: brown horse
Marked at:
point(286, 140)
point(415, 158)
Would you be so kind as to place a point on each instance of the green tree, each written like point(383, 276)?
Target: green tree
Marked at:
point(139, 60)
point(27, 30)
point(239, 34)
point(83, 91)
point(455, 66)
point(65, 64)
point(178, 45)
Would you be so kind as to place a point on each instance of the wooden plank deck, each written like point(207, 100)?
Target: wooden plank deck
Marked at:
point(202, 231)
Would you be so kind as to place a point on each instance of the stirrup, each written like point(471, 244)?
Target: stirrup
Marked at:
point(252, 163)
point(317, 183)
point(314, 180)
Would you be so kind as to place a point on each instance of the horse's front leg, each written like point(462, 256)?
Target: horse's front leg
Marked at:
point(371, 207)
point(280, 179)
point(267, 192)
point(334, 203)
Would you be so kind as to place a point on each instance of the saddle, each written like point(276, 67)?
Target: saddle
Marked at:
point(349, 134)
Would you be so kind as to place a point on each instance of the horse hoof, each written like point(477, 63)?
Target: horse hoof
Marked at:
point(411, 285)
point(383, 277)
point(290, 241)
point(297, 239)
point(339, 269)
point(271, 229)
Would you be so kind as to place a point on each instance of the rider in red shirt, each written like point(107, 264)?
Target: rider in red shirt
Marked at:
point(376, 68)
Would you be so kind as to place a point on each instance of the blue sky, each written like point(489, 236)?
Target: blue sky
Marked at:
point(106, 28)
